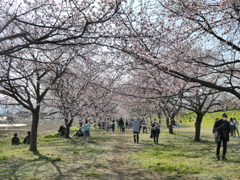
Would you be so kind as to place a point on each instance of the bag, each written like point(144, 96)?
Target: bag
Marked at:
point(221, 128)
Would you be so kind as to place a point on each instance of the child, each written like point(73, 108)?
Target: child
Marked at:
point(15, 140)
point(107, 126)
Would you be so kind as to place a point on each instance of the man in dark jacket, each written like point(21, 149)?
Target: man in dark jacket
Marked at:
point(15, 140)
point(27, 138)
point(121, 124)
point(222, 128)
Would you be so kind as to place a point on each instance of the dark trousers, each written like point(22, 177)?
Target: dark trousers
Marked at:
point(136, 137)
point(155, 139)
point(219, 143)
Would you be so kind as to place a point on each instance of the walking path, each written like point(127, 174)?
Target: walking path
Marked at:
point(119, 163)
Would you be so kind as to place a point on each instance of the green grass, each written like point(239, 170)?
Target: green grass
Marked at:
point(176, 157)
point(179, 157)
point(57, 157)
point(209, 118)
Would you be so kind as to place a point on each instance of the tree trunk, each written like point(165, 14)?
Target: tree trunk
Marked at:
point(167, 122)
point(198, 127)
point(170, 127)
point(33, 135)
point(67, 130)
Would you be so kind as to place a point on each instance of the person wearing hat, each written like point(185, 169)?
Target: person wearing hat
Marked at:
point(222, 128)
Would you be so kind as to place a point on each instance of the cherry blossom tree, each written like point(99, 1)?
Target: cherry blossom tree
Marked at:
point(152, 88)
point(178, 37)
point(84, 91)
point(201, 100)
point(32, 80)
point(36, 40)
point(25, 24)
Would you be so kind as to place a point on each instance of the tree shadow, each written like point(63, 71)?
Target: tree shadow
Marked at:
point(40, 156)
point(48, 159)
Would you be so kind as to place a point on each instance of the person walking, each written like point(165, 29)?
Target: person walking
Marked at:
point(155, 131)
point(107, 126)
point(113, 126)
point(121, 124)
point(222, 128)
point(232, 127)
point(235, 126)
point(136, 130)
point(126, 123)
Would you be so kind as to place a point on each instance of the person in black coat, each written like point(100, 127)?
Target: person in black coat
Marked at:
point(15, 140)
point(222, 128)
point(155, 131)
point(121, 124)
point(27, 138)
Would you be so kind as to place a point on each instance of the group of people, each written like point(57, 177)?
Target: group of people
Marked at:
point(16, 140)
point(136, 128)
point(136, 125)
point(222, 130)
point(121, 124)
point(82, 132)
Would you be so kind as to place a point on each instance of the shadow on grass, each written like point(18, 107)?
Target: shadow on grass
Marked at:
point(13, 167)
point(48, 159)
point(40, 156)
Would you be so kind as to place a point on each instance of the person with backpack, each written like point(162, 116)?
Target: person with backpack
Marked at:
point(222, 128)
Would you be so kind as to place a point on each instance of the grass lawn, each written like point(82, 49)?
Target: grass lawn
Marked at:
point(115, 156)
point(179, 157)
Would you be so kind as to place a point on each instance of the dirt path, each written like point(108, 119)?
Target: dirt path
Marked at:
point(119, 163)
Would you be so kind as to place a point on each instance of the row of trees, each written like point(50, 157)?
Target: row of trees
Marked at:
point(40, 41)
point(187, 51)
